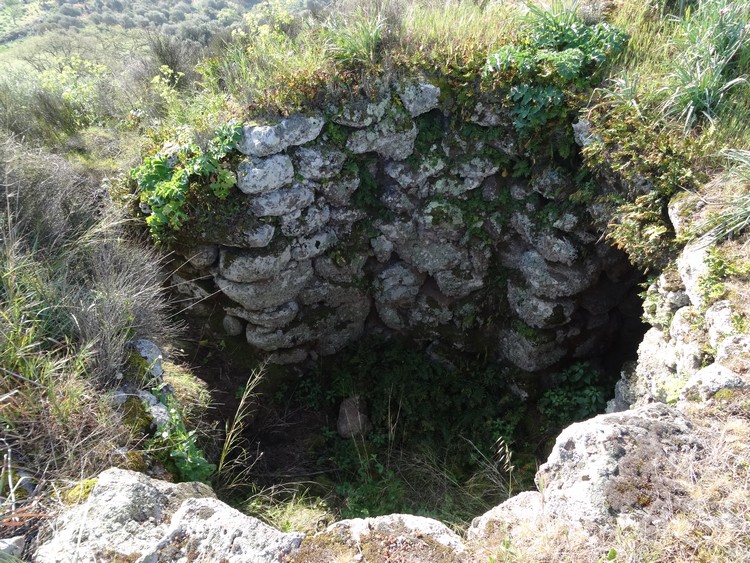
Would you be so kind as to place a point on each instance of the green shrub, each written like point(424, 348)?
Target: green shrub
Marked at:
point(558, 60)
point(165, 179)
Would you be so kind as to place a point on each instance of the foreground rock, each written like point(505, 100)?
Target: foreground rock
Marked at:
point(206, 529)
point(607, 471)
point(131, 517)
point(396, 537)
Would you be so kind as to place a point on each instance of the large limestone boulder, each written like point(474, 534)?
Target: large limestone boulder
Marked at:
point(125, 515)
point(205, 530)
point(612, 470)
point(616, 464)
point(131, 517)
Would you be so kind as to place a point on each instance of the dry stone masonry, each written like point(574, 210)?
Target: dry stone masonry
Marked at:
point(390, 214)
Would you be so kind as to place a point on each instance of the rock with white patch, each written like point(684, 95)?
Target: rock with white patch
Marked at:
point(264, 140)
point(261, 175)
point(125, 515)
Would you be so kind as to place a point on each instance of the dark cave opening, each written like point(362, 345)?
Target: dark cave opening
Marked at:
point(421, 400)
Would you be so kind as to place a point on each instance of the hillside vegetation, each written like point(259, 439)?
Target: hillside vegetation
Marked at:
point(663, 85)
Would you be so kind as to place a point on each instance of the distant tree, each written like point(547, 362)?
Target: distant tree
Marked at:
point(14, 7)
point(69, 10)
point(156, 17)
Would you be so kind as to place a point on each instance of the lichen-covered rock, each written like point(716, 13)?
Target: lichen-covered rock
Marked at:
point(442, 219)
point(488, 115)
point(264, 140)
point(391, 138)
point(319, 162)
point(419, 97)
point(261, 295)
point(251, 266)
point(282, 202)
point(125, 515)
point(311, 246)
point(551, 246)
point(232, 325)
point(530, 352)
point(203, 256)
point(362, 112)
point(339, 191)
point(269, 340)
point(205, 530)
point(396, 288)
point(408, 175)
point(615, 464)
point(271, 318)
point(552, 280)
point(655, 377)
point(395, 537)
point(151, 356)
point(692, 267)
point(458, 282)
point(261, 175)
point(519, 512)
point(538, 312)
point(258, 237)
point(718, 318)
point(340, 269)
point(705, 383)
point(12, 547)
point(734, 350)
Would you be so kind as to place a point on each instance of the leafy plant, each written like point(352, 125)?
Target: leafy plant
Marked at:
point(180, 446)
point(720, 267)
point(165, 179)
point(558, 59)
point(576, 397)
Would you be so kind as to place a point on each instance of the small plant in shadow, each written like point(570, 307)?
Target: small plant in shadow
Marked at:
point(576, 397)
point(236, 460)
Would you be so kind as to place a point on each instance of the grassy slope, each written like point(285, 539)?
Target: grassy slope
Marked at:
point(278, 66)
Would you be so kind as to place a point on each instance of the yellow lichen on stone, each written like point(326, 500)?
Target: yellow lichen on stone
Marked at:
point(80, 492)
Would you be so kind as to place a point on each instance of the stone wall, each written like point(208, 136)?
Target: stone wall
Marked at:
point(393, 215)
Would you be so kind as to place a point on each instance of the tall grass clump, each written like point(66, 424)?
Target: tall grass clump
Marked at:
point(286, 58)
point(73, 292)
point(732, 215)
point(709, 41)
point(273, 57)
point(356, 41)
